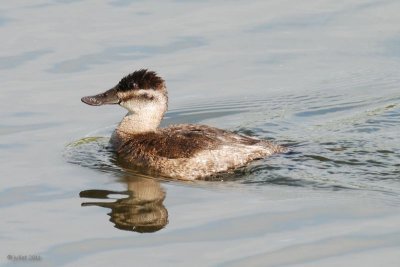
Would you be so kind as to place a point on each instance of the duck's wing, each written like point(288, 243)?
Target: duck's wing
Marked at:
point(215, 137)
point(181, 141)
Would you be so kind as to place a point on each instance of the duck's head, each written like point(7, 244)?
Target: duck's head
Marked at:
point(142, 93)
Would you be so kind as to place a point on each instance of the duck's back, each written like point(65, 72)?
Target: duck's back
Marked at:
point(191, 151)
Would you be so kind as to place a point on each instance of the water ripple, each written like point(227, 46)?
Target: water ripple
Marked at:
point(357, 150)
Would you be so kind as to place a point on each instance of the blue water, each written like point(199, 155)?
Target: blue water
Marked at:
point(321, 78)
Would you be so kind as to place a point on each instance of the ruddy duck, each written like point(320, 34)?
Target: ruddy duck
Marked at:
point(183, 151)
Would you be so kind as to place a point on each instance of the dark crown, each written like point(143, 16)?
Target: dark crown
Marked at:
point(141, 79)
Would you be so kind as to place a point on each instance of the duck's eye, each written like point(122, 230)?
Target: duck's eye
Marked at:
point(135, 86)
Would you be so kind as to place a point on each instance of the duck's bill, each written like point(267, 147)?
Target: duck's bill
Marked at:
point(108, 97)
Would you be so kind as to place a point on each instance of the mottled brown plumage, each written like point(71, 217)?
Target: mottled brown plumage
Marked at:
point(180, 141)
point(180, 151)
point(190, 151)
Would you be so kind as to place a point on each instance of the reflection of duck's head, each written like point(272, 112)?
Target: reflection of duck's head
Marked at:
point(142, 209)
point(142, 93)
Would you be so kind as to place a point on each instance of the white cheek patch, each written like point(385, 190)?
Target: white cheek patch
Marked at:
point(129, 105)
point(144, 100)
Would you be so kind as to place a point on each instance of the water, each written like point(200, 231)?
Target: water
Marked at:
point(321, 78)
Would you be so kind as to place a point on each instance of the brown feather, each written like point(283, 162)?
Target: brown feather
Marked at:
point(181, 141)
point(140, 79)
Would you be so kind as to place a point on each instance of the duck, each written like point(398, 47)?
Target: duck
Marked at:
point(180, 151)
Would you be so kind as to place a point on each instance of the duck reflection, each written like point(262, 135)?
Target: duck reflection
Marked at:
point(140, 209)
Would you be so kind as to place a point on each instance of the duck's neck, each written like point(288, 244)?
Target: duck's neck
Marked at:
point(134, 123)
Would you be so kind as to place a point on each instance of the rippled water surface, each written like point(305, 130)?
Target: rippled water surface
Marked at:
point(320, 78)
